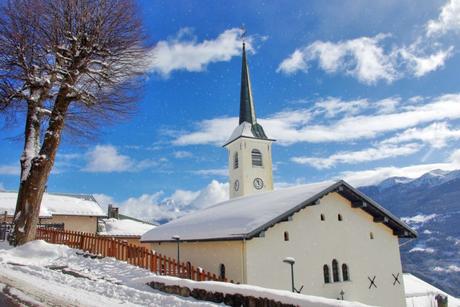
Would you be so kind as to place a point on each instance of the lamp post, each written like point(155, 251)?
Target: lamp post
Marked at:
point(291, 261)
point(177, 239)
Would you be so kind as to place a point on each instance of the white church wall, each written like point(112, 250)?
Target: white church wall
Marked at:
point(209, 256)
point(313, 243)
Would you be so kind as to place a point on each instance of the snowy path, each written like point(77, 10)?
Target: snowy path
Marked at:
point(101, 282)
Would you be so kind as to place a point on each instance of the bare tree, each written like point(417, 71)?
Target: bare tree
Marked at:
point(64, 63)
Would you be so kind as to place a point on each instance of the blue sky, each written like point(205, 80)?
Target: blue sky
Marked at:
point(360, 90)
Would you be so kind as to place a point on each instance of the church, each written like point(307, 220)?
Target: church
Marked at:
point(339, 243)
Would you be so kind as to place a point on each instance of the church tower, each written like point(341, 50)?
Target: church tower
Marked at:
point(249, 149)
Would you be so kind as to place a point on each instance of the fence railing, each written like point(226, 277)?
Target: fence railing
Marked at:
point(135, 255)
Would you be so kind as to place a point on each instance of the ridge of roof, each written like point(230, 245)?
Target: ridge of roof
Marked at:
point(283, 205)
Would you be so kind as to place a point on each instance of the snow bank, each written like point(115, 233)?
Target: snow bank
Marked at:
point(56, 204)
point(114, 227)
point(35, 253)
point(421, 294)
point(255, 291)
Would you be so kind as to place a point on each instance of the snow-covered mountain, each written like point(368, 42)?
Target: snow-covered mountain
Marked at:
point(431, 205)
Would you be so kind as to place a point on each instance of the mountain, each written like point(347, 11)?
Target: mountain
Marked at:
point(431, 205)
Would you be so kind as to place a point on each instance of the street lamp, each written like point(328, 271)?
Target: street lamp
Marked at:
point(291, 261)
point(177, 239)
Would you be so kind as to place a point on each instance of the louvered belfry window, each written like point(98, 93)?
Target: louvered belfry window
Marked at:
point(256, 157)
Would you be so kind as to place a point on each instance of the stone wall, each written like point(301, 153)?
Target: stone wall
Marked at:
point(217, 297)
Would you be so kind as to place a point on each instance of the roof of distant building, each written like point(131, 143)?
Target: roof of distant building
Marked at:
point(56, 204)
point(124, 227)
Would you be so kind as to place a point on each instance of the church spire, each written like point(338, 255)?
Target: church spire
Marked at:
point(247, 110)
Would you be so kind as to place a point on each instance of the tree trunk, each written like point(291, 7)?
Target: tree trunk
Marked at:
point(33, 183)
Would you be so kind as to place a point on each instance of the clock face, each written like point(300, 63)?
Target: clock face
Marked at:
point(258, 183)
point(236, 185)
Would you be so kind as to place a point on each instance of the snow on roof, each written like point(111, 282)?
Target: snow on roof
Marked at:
point(114, 227)
point(243, 130)
point(236, 217)
point(420, 293)
point(56, 204)
point(245, 217)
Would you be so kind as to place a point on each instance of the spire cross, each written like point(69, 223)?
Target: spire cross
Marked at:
point(243, 34)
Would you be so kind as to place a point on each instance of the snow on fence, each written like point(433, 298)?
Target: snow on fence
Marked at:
point(135, 255)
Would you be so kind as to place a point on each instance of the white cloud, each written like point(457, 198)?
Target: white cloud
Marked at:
point(107, 159)
point(436, 134)
point(353, 157)
point(376, 175)
point(9, 169)
point(421, 65)
point(367, 59)
point(184, 52)
point(157, 207)
point(362, 58)
point(448, 19)
point(223, 172)
point(294, 126)
point(295, 62)
point(333, 106)
point(182, 154)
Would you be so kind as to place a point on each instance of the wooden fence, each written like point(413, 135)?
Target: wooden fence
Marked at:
point(135, 255)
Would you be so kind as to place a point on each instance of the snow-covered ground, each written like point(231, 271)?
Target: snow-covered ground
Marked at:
point(28, 270)
point(421, 294)
point(42, 274)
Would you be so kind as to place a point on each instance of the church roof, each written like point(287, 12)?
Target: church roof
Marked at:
point(246, 217)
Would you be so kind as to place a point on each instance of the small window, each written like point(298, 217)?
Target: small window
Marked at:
point(222, 271)
point(286, 236)
point(335, 271)
point(339, 217)
point(322, 217)
point(345, 275)
point(326, 273)
point(256, 157)
point(371, 235)
point(235, 160)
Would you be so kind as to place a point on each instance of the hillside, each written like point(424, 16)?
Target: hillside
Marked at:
point(431, 205)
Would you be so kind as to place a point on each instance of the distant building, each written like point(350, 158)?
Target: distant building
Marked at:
point(123, 227)
point(76, 212)
point(345, 245)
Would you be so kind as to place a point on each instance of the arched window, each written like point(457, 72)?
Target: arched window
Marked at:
point(371, 235)
point(286, 236)
point(345, 275)
point(335, 271)
point(222, 271)
point(326, 273)
point(322, 217)
point(256, 157)
point(235, 160)
point(339, 217)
